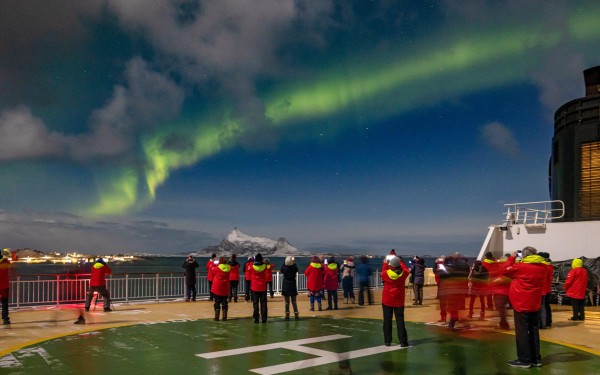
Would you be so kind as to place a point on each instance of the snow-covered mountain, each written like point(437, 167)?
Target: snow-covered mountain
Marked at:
point(242, 244)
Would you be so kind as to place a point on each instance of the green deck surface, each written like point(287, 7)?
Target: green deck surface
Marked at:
point(174, 347)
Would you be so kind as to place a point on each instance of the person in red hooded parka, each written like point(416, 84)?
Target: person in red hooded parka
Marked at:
point(331, 282)
point(575, 286)
point(314, 282)
point(220, 287)
point(392, 299)
point(525, 295)
point(258, 285)
point(98, 284)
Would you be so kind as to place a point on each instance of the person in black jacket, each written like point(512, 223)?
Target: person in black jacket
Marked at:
point(289, 288)
point(190, 266)
point(417, 276)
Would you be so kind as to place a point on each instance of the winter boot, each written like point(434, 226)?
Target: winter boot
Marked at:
point(224, 315)
point(287, 315)
point(296, 315)
point(217, 312)
point(320, 308)
point(312, 307)
point(482, 315)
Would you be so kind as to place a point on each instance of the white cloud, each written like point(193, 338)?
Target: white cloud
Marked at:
point(499, 137)
point(24, 136)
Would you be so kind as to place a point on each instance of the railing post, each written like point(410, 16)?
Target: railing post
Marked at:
point(18, 290)
point(57, 290)
point(157, 300)
point(126, 288)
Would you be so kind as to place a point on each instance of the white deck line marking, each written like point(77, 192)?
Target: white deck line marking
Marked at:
point(323, 360)
point(277, 345)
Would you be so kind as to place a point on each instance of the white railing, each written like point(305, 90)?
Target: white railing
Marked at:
point(534, 213)
point(65, 289)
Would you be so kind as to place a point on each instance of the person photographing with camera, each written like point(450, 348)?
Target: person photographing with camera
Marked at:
point(525, 295)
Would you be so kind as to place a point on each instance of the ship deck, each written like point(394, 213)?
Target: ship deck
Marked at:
point(180, 337)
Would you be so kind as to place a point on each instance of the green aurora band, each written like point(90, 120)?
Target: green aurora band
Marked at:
point(391, 87)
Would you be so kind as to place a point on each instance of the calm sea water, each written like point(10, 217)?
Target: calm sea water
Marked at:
point(167, 265)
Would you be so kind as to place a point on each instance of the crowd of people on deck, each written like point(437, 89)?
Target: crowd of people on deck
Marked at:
point(521, 281)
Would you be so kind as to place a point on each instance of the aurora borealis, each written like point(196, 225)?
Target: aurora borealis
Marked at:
point(158, 126)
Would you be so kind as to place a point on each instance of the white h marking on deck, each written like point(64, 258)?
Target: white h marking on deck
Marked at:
point(323, 356)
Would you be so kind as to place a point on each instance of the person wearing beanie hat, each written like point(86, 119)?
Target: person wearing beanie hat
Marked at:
point(347, 271)
point(314, 282)
point(190, 265)
point(331, 281)
point(258, 285)
point(98, 284)
point(575, 286)
point(392, 300)
point(4, 287)
point(289, 288)
point(220, 287)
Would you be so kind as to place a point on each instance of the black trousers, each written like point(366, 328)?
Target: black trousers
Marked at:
point(418, 290)
point(388, 313)
point(259, 299)
point(578, 308)
point(191, 291)
point(4, 300)
point(220, 303)
point(233, 290)
point(247, 292)
point(527, 336)
point(102, 291)
point(364, 287)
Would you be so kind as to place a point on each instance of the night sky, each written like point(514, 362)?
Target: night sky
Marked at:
point(158, 126)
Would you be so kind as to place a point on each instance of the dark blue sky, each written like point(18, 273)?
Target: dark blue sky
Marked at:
point(344, 126)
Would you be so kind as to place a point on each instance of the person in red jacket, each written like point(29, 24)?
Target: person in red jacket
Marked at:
point(314, 282)
point(575, 286)
point(220, 287)
point(209, 275)
point(331, 282)
point(499, 286)
point(392, 299)
point(234, 278)
point(98, 284)
point(4, 287)
point(525, 295)
point(258, 285)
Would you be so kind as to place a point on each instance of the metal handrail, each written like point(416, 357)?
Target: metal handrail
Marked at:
point(40, 290)
point(534, 213)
